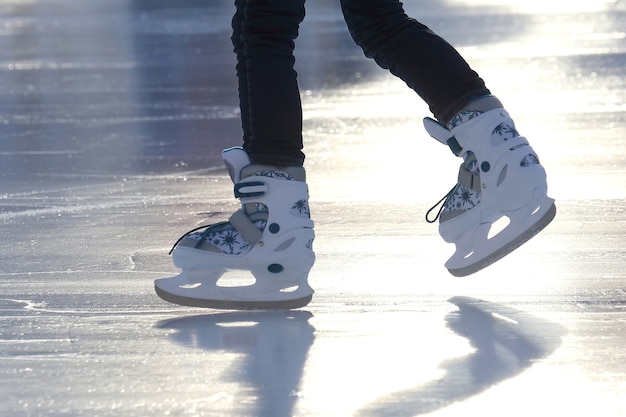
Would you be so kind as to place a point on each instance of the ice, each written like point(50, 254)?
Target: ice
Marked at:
point(113, 115)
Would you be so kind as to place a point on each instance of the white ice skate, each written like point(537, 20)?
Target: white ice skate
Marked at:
point(271, 236)
point(499, 204)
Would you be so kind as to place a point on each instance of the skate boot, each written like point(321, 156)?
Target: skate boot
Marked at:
point(500, 201)
point(271, 236)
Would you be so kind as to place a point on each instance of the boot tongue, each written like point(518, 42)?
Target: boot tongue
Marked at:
point(235, 160)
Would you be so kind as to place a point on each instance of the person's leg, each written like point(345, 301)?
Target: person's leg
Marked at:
point(411, 51)
point(501, 175)
point(241, 69)
point(263, 38)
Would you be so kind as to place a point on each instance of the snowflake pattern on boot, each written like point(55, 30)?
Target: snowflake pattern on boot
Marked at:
point(301, 208)
point(228, 240)
point(281, 175)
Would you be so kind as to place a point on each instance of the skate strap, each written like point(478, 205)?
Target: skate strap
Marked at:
point(443, 135)
point(250, 189)
point(468, 179)
point(245, 227)
point(454, 146)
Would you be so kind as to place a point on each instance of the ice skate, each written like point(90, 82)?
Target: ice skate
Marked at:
point(271, 237)
point(500, 201)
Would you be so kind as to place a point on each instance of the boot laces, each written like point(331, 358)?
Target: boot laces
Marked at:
point(440, 202)
point(208, 227)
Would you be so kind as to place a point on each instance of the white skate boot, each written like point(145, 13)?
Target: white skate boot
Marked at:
point(271, 236)
point(501, 184)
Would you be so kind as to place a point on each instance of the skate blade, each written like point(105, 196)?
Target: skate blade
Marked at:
point(233, 304)
point(481, 258)
point(177, 290)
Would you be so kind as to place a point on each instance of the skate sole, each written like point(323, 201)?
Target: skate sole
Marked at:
point(233, 305)
point(501, 253)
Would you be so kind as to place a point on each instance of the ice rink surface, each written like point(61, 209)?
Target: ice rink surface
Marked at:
point(113, 115)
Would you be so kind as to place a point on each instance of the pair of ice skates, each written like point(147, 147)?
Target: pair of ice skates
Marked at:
point(271, 236)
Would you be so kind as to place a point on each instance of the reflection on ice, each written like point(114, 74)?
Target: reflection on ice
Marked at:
point(505, 340)
point(271, 348)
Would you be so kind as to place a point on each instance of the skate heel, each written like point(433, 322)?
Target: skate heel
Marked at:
point(181, 288)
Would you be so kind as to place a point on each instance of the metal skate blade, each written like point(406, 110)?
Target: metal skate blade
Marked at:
point(287, 304)
point(206, 293)
point(484, 261)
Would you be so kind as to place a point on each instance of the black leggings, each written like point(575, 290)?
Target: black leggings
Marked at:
point(263, 37)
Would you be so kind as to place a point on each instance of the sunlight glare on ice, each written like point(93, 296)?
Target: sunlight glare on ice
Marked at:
point(388, 350)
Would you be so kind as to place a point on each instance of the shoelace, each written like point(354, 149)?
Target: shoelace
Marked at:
point(440, 208)
point(204, 234)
